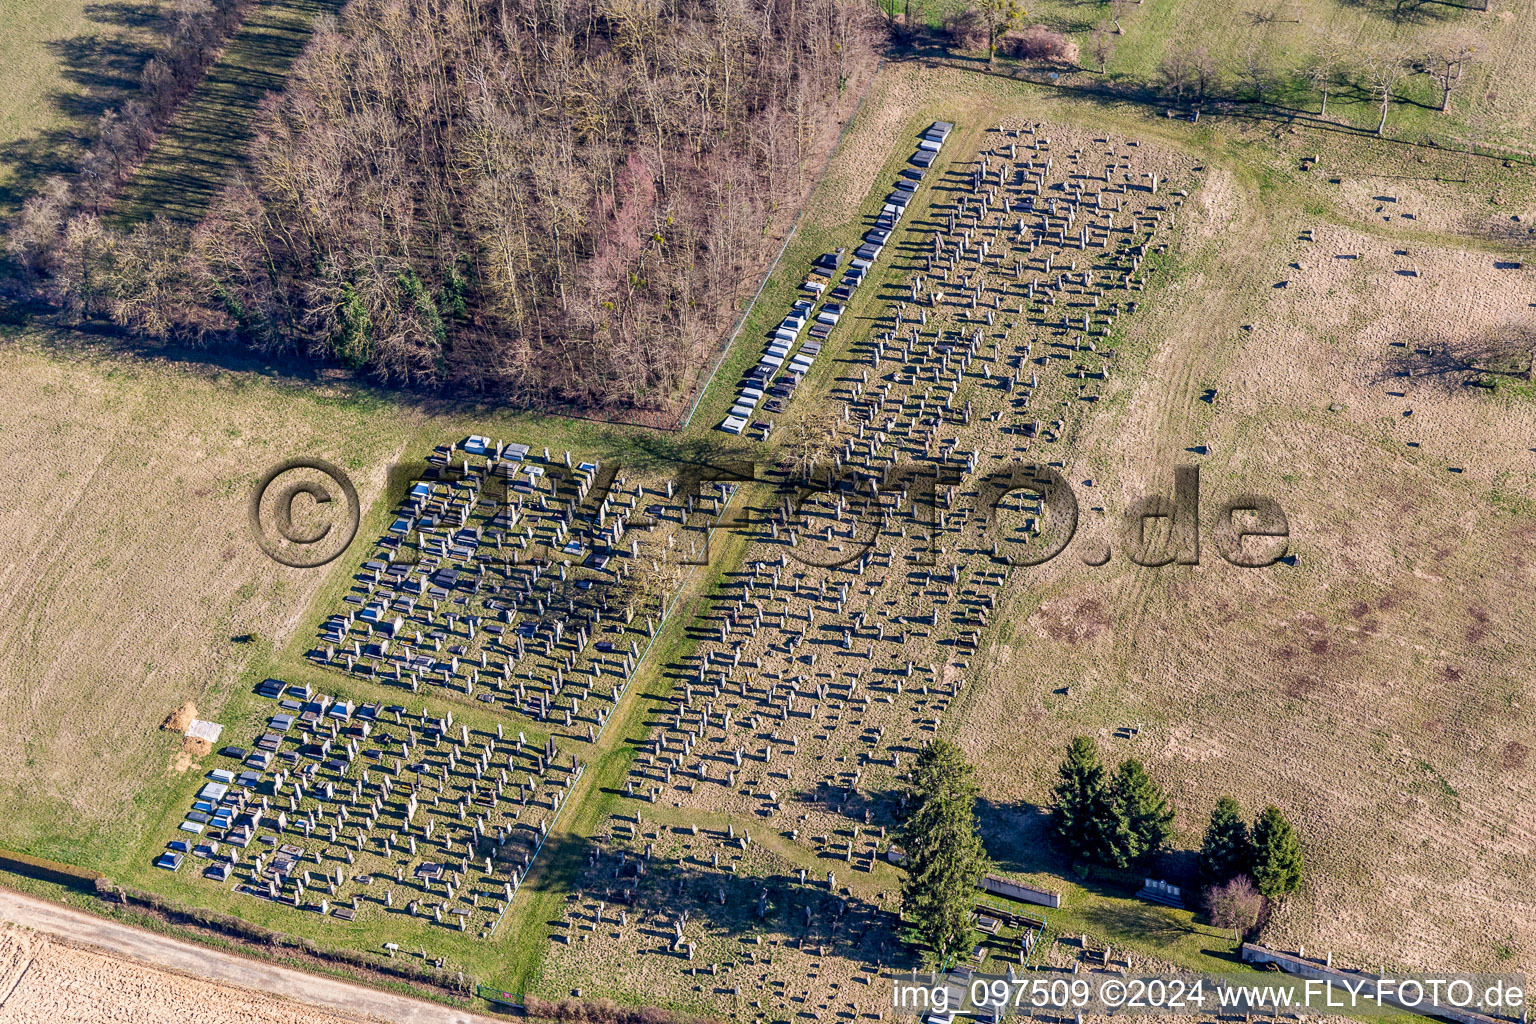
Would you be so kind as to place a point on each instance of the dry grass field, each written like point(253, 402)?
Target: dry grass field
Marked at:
point(128, 570)
point(1376, 687)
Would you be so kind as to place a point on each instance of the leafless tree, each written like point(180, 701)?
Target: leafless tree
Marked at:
point(1328, 58)
point(1203, 67)
point(810, 444)
point(1256, 72)
point(1445, 62)
point(1101, 45)
point(1118, 10)
point(1235, 904)
point(1267, 15)
point(651, 584)
point(36, 232)
point(1176, 73)
point(1381, 70)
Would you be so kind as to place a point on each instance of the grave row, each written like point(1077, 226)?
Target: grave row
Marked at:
point(519, 582)
point(761, 383)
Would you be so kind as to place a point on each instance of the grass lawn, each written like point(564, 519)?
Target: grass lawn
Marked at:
point(1488, 104)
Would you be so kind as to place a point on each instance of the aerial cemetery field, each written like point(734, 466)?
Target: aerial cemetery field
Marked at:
point(841, 644)
point(1389, 716)
point(570, 720)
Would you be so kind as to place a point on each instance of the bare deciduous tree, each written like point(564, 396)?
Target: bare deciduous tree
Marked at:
point(1256, 72)
point(1329, 53)
point(37, 230)
point(1118, 10)
point(1187, 69)
point(1235, 904)
point(1381, 70)
point(1203, 68)
point(1175, 74)
point(1101, 45)
point(810, 445)
point(1446, 60)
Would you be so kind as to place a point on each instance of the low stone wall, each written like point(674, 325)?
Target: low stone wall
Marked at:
point(999, 886)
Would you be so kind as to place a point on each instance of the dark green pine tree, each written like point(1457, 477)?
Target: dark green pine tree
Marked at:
point(1276, 854)
point(1227, 851)
point(945, 857)
point(1140, 820)
point(1081, 810)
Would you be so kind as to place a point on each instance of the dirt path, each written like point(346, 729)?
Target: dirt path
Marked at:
point(340, 1000)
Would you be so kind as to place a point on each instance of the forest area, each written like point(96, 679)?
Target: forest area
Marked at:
point(560, 203)
point(547, 202)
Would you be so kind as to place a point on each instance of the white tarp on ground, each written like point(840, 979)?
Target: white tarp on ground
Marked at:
point(201, 730)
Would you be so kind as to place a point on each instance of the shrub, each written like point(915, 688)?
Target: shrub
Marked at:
point(1039, 43)
point(1234, 904)
point(966, 30)
point(577, 1011)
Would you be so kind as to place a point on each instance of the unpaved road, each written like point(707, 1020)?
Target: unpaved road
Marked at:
point(43, 979)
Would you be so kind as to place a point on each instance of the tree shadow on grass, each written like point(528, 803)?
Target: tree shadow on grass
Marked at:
point(1144, 922)
point(1019, 840)
point(1414, 12)
point(206, 140)
point(103, 66)
point(604, 877)
point(614, 435)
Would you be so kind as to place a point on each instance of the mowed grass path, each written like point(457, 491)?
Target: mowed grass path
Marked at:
point(207, 139)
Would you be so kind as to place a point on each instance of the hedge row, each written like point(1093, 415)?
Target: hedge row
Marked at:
point(603, 1011)
point(49, 870)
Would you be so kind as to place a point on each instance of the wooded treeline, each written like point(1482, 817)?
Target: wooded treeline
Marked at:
point(548, 200)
